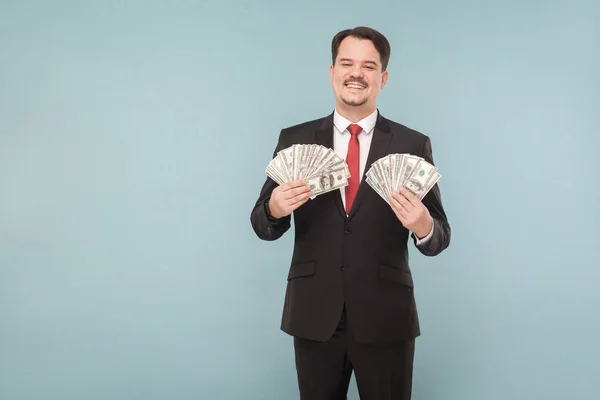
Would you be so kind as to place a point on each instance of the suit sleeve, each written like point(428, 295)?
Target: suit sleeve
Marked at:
point(265, 226)
point(440, 237)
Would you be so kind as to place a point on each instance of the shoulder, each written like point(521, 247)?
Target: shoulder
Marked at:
point(404, 131)
point(308, 126)
point(408, 140)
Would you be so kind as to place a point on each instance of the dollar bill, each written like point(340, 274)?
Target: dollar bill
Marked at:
point(371, 180)
point(325, 171)
point(320, 166)
point(326, 181)
point(394, 171)
point(418, 180)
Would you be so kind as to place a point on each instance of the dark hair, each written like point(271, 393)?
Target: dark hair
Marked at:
point(362, 32)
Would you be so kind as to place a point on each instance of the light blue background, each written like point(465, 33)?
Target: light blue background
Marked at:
point(133, 141)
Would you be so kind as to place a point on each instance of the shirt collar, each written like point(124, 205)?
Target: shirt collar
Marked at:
point(367, 123)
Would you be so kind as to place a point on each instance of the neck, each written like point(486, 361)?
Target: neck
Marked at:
point(354, 114)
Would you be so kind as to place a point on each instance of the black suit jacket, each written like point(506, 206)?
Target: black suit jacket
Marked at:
point(359, 260)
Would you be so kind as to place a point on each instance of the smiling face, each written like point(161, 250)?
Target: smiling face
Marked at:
point(357, 76)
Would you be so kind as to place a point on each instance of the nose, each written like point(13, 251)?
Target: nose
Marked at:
point(356, 72)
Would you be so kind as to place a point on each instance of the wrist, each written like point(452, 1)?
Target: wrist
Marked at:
point(269, 212)
point(425, 229)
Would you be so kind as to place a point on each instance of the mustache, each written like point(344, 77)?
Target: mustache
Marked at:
point(359, 81)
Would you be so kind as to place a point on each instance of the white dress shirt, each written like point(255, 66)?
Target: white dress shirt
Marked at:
point(341, 138)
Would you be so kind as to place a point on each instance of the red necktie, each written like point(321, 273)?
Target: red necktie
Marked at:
point(352, 159)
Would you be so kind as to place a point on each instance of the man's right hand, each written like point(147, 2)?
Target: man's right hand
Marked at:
point(288, 197)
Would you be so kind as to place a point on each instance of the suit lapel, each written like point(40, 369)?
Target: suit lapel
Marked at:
point(379, 146)
point(324, 137)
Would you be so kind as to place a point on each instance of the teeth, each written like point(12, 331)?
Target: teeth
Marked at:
point(355, 86)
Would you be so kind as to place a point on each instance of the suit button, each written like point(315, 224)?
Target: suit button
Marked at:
point(342, 267)
point(348, 230)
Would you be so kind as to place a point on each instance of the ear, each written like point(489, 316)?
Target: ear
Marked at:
point(384, 78)
point(331, 72)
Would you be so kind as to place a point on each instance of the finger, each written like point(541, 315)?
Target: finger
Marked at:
point(408, 195)
point(400, 213)
point(401, 199)
point(298, 203)
point(295, 191)
point(398, 207)
point(301, 200)
point(299, 191)
point(297, 194)
point(294, 184)
point(300, 197)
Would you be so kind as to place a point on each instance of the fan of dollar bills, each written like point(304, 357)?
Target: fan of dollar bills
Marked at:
point(402, 170)
point(320, 166)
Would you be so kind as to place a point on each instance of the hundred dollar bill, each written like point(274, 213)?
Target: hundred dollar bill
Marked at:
point(371, 180)
point(396, 175)
point(275, 170)
point(394, 171)
point(417, 183)
point(319, 165)
point(321, 158)
point(432, 181)
point(410, 162)
point(312, 153)
point(286, 156)
point(376, 171)
point(326, 181)
point(386, 175)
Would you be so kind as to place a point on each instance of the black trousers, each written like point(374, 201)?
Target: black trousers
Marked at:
point(382, 372)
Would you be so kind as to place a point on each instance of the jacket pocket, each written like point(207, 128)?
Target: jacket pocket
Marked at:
point(301, 269)
point(396, 275)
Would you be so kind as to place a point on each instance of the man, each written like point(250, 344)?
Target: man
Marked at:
point(349, 302)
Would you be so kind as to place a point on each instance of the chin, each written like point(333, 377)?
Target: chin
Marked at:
point(354, 102)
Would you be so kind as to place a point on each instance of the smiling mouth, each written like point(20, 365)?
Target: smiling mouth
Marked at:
point(355, 85)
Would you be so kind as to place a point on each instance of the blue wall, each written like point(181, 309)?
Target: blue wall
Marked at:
point(133, 141)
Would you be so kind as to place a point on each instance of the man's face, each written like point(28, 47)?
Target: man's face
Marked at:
point(356, 77)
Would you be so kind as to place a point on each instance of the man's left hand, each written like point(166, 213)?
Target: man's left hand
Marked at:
point(411, 212)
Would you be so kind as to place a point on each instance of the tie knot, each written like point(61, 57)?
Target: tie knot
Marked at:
point(354, 129)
